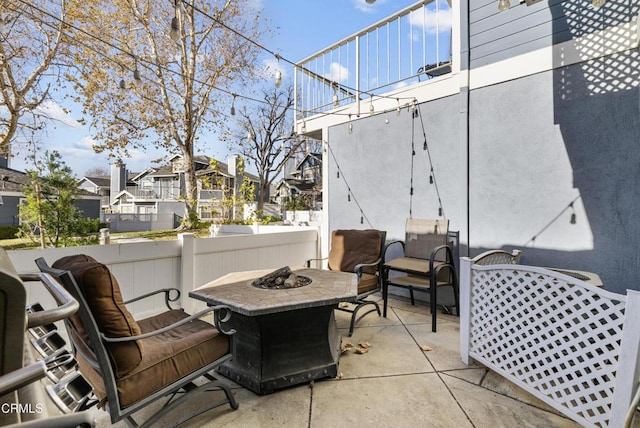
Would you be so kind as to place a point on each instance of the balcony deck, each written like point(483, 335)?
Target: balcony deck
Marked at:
point(395, 384)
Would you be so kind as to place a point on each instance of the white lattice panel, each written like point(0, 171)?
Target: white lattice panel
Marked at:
point(555, 336)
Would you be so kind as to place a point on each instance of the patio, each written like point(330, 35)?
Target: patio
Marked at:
point(395, 383)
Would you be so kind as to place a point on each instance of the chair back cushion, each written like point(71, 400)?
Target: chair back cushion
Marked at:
point(423, 235)
point(352, 247)
point(102, 294)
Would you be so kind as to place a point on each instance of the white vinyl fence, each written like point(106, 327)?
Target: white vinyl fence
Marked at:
point(573, 345)
point(185, 263)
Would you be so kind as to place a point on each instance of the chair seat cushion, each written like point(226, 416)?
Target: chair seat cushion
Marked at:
point(367, 282)
point(410, 264)
point(166, 357)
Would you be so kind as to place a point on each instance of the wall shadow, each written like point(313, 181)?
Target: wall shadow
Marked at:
point(597, 108)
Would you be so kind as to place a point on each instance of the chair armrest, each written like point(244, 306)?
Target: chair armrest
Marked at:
point(386, 247)
point(67, 304)
point(448, 258)
point(308, 263)
point(218, 321)
point(358, 268)
point(167, 296)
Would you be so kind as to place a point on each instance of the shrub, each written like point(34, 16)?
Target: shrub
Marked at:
point(9, 232)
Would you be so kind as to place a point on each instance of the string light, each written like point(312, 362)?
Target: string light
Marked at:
point(503, 5)
point(176, 35)
point(233, 105)
point(372, 110)
point(278, 82)
point(573, 214)
point(136, 74)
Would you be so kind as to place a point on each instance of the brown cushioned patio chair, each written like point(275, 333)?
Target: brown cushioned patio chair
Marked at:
point(131, 364)
point(358, 251)
point(427, 263)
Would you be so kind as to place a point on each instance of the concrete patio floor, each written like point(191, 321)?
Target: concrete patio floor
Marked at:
point(395, 384)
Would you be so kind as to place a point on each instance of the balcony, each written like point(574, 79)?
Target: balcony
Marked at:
point(154, 193)
point(409, 47)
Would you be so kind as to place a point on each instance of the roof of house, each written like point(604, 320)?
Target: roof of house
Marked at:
point(12, 180)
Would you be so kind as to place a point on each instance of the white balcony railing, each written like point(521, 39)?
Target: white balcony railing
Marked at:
point(411, 45)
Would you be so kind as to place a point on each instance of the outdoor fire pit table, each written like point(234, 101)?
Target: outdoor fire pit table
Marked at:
point(284, 336)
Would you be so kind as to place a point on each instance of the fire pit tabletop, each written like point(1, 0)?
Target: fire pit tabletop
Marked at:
point(235, 290)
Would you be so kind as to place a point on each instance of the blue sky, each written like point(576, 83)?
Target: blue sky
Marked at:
point(300, 29)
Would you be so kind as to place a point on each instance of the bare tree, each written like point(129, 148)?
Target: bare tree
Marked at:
point(268, 142)
point(96, 171)
point(144, 85)
point(31, 39)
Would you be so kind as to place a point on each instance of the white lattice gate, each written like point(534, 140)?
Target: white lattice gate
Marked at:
point(573, 345)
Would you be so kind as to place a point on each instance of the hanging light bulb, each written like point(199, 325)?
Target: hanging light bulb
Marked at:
point(233, 105)
point(122, 85)
point(386, 119)
point(440, 212)
point(278, 82)
point(350, 126)
point(278, 78)
point(174, 34)
point(573, 214)
point(503, 5)
point(398, 109)
point(431, 179)
point(361, 219)
point(304, 127)
point(338, 174)
point(424, 146)
point(371, 109)
point(336, 100)
point(349, 197)
point(598, 3)
point(136, 75)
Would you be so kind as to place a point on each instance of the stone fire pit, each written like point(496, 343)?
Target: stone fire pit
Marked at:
point(284, 336)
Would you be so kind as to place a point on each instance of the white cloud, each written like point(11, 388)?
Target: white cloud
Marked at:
point(432, 21)
point(56, 112)
point(338, 73)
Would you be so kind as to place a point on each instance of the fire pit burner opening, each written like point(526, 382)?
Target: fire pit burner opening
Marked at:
point(281, 279)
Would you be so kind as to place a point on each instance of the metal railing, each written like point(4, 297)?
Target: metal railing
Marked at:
point(162, 192)
point(411, 45)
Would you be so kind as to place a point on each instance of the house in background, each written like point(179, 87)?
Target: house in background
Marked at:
point(11, 194)
point(154, 198)
point(303, 181)
point(528, 138)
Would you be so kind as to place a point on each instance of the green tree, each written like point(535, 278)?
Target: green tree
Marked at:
point(47, 213)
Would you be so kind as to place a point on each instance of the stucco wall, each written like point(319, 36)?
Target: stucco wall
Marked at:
point(538, 143)
point(375, 160)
